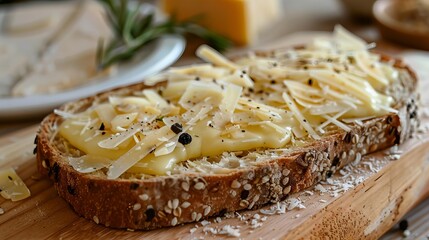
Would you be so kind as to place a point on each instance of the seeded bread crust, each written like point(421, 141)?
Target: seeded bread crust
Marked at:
point(171, 200)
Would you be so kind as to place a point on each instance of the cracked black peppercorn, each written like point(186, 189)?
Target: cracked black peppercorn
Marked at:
point(403, 225)
point(102, 127)
point(176, 128)
point(185, 138)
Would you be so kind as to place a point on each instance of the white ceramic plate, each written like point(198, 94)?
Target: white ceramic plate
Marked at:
point(155, 57)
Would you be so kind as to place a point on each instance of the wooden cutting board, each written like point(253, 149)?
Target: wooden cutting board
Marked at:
point(387, 190)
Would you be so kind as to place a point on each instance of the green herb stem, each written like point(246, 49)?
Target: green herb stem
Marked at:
point(133, 30)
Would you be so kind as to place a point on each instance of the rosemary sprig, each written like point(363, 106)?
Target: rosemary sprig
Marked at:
point(134, 29)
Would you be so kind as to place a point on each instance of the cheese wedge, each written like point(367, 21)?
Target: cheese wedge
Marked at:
point(238, 20)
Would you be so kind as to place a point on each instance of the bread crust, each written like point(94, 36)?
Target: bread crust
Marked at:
point(171, 200)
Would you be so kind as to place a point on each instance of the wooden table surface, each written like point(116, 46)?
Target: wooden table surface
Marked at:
point(303, 15)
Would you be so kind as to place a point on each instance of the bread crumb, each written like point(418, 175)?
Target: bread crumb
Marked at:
point(320, 188)
point(205, 223)
point(1, 211)
point(310, 193)
point(230, 231)
point(406, 233)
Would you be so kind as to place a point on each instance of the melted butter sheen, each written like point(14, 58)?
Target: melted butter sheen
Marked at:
point(206, 141)
point(88, 143)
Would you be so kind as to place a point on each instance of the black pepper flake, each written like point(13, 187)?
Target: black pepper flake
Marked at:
point(71, 190)
point(273, 82)
point(102, 127)
point(176, 128)
point(329, 174)
point(10, 178)
point(403, 225)
point(244, 194)
point(150, 214)
point(243, 131)
point(310, 82)
point(336, 161)
point(185, 138)
point(103, 133)
point(134, 186)
point(197, 79)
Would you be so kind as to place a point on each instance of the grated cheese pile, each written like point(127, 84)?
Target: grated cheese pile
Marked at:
point(269, 101)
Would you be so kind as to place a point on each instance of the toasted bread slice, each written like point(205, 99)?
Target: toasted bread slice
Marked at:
point(168, 200)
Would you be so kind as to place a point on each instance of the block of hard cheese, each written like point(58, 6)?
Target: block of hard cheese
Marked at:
point(239, 20)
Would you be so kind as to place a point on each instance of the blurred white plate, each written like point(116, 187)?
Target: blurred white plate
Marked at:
point(155, 57)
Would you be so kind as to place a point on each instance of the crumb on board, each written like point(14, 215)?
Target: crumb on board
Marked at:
point(345, 179)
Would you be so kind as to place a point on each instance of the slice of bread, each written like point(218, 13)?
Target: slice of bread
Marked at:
point(163, 201)
point(170, 200)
